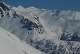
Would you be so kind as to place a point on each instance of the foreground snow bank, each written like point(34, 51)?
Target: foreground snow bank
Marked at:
point(10, 44)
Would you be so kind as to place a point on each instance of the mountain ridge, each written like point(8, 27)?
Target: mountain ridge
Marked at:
point(46, 30)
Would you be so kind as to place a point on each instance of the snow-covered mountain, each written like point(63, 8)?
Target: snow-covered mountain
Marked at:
point(50, 31)
point(54, 22)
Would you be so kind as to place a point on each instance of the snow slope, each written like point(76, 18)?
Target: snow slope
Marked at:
point(10, 44)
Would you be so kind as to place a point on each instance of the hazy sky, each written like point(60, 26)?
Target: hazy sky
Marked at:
point(49, 4)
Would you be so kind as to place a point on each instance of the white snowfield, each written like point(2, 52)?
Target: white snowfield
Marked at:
point(10, 44)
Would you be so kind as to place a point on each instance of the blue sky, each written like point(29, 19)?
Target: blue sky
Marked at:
point(48, 4)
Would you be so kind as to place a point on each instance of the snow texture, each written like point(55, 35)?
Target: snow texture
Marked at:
point(48, 31)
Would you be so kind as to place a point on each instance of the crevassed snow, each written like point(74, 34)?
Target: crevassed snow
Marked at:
point(10, 44)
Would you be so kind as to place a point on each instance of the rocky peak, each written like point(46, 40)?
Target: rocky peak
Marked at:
point(4, 9)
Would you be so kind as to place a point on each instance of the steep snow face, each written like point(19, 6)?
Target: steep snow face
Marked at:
point(10, 44)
